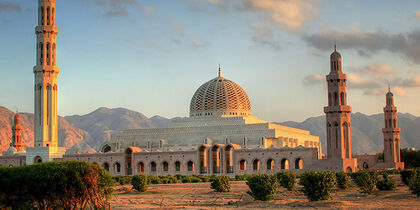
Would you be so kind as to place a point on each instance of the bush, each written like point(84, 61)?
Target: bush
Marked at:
point(168, 179)
point(343, 180)
point(55, 185)
point(317, 185)
point(243, 177)
point(407, 175)
point(366, 181)
point(220, 183)
point(154, 180)
point(139, 182)
point(263, 187)
point(122, 180)
point(287, 180)
point(414, 186)
point(386, 183)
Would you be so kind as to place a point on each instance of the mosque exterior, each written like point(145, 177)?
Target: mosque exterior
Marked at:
point(220, 136)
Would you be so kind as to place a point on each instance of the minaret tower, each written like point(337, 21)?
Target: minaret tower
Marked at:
point(46, 77)
point(338, 114)
point(46, 86)
point(17, 135)
point(391, 131)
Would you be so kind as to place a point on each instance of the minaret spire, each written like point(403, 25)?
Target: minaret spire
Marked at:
point(220, 71)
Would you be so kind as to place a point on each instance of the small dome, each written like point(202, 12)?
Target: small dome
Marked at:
point(11, 150)
point(335, 56)
point(218, 97)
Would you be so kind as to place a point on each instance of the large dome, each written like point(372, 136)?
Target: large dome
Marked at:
point(220, 97)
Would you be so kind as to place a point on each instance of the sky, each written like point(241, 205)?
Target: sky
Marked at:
point(152, 55)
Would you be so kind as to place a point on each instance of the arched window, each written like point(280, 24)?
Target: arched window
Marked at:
point(242, 165)
point(153, 166)
point(256, 165)
point(177, 166)
point(190, 166)
point(203, 159)
point(117, 167)
point(329, 99)
point(165, 166)
point(48, 16)
point(42, 16)
point(390, 123)
point(335, 99)
point(106, 149)
point(284, 164)
point(41, 51)
point(299, 163)
point(229, 158)
point(53, 17)
point(270, 165)
point(53, 55)
point(141, 167)
point(349, 169)
point(342, 99)
point(395, 123)
point(38, 159)
point(365, 165)
point(215, 151)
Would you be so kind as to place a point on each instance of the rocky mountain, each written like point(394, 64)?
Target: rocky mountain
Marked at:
point(366, 131)
point(88, 132)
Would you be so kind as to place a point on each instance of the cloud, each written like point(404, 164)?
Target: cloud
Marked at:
point(397, 91)
point(314, 79)
point(417, 15)
point(369, 42)
point(358, 82)
point(264, 36)
point(116, 8)
point(410, 82)
point(290, 14)
point(184, 37)
point(10, 7)
point(378, 69)
point(149, 10)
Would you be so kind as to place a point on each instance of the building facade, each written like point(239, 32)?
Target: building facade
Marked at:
point(220, 136)
point(46, 87)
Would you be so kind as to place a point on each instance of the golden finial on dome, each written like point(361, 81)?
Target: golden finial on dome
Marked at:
point(220, 71)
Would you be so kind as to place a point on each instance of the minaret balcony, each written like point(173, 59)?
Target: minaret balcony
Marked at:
point(391, 130)
point(50, 28)
point(340, 108)
point(336, 75)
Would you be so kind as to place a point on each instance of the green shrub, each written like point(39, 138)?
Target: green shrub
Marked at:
point(287, 180)
point(386, 183)
point(55, 185)
point(154, 180)
point(203, 178)
point(317, 185)
point(263, 187)
point(122, 180)
point(186, 179)
point(139, 182)
point(220, 183)
point(168, 179)
point(343, 180)
point(366, 181)
point(414, 185)
point(243, 177)
point(408, 174)
point(195, 179)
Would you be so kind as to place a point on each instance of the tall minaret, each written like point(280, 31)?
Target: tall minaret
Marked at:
point(46, 77)
point(391, 131)
point(17, 135)
point(337, 112)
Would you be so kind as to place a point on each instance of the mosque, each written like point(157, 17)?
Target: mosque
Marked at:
point(220, 136)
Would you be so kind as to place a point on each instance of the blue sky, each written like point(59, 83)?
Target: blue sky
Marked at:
point(151, 55)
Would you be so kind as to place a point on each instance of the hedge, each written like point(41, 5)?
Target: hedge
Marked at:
point(287, 180)
point(343, 180)
point(139, 182)
point(366, 181)
point(55, 185)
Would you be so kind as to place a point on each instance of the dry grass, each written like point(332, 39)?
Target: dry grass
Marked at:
point(200, 196)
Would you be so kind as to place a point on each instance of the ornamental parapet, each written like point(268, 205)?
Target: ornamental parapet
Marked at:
point(341, 108)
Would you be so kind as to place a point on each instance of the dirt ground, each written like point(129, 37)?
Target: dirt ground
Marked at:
point(200, 196)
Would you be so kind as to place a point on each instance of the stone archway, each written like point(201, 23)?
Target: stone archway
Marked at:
point(37, 159)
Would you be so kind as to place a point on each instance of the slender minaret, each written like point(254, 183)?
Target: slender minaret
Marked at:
point(391, 131)
point(46, 77)
point(337, 112)
point(17, 135)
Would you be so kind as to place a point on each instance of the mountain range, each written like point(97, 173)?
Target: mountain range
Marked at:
point(86, 133)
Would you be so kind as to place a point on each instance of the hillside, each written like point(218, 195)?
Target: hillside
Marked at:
point(88, 132)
